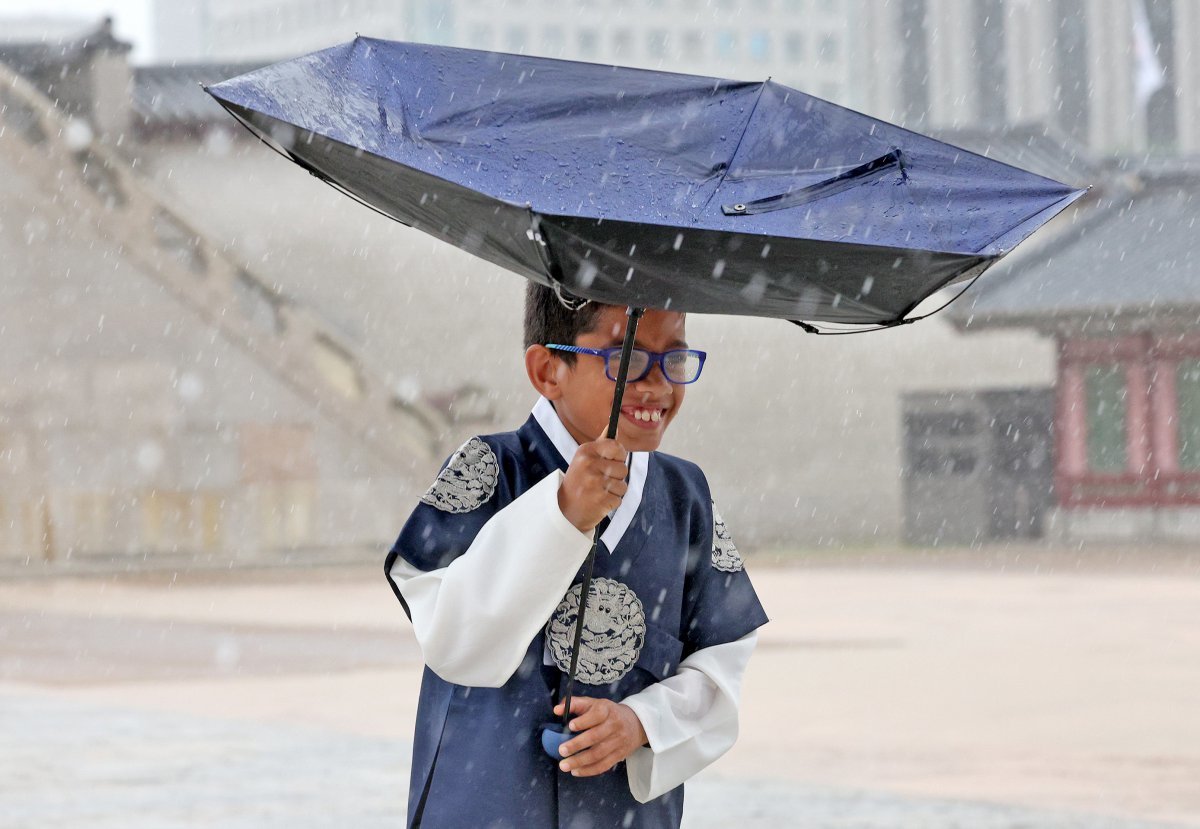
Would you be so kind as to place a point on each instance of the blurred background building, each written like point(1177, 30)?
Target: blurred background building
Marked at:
point(209, 355)
point(1117, 76)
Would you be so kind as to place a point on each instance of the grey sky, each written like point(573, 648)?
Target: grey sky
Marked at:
point(132, 17)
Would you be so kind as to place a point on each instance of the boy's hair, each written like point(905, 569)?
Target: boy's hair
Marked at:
point(547, 320)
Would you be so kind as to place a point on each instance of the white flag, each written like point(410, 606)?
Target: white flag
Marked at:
point(1149, 75)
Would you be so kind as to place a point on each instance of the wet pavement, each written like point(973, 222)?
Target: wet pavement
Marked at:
point(71, 764)
point(57, 649)
point(931, 701)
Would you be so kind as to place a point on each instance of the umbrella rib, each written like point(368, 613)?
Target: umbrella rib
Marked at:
point(736, 147)
point(304, 165)
point(809, 328)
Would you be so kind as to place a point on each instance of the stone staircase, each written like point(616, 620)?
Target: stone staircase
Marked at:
point(96, 186)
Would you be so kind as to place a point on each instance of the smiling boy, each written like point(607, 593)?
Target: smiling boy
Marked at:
point(488, 570)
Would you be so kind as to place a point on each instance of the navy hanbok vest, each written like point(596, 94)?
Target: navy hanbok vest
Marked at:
point(477, 759)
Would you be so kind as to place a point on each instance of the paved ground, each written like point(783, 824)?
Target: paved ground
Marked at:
point(882, 696)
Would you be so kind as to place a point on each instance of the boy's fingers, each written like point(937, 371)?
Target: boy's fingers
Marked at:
point(589, 719)
point(615, 469)
point(608, 473)
point(587, 738)
point(593, 762)
point(578, 705)
point(615, 487)
point(577, 744)
point(610, 450)
point(583, 757)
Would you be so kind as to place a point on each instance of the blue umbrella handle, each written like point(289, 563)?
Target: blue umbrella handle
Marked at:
point(553, 736)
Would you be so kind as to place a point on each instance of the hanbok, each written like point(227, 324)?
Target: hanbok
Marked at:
point(489, 571)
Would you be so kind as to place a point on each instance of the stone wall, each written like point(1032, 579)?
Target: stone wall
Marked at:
point(130, 428)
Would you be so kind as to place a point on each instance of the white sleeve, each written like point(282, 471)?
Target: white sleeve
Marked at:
point(474, 619)
point(690, 718)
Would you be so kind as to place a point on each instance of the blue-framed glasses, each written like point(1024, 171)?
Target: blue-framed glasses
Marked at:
point(679, 365)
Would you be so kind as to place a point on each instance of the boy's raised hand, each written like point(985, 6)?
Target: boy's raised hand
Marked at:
point(594, 483)
point(610, 732)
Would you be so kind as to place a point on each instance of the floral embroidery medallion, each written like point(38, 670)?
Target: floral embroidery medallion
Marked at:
point(468, 480)
point(613, 632)
point(725, 556)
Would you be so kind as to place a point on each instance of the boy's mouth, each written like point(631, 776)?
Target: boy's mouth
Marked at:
point(644, 417)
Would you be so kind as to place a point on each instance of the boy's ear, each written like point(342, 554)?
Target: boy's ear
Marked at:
point(543, 371)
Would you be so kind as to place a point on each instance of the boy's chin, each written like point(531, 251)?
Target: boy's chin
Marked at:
point(640, 441)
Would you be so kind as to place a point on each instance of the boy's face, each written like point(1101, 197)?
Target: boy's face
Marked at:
point(583, 394)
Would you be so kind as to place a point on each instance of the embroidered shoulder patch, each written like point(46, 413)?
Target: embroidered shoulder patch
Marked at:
point(725, 556)
point(468, 480)
point(613, 632)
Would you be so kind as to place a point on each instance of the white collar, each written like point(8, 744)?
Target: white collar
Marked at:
point(547, 418)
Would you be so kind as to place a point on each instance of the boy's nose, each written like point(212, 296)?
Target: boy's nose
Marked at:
point(654, 382)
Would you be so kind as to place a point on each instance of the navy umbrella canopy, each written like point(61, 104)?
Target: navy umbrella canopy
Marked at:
point(644, 188)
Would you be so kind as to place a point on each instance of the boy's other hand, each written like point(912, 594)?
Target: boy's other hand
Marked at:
point(610, 733)
point(594, 483)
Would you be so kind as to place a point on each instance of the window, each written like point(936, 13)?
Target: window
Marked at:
point(481, 37)
point(727, 43)
point(1105, 391)
point(1162, 116)
point(942, 425)
point(623, 42)
point(693, 44)
point(1128, 420)
point(760, 45)
point(656, 44)
point(991, 71)
point(1187, 393)
point(915, 32)
point(938, 463)
point(1071, 68)
point(828, 50)
point(514, 39)
point(794, 46)
point(589, 43)
point(554, 41)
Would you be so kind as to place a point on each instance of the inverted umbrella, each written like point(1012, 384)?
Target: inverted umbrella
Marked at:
point(647, 189)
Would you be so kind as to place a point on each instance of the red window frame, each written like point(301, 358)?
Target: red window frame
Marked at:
point(1152, 476)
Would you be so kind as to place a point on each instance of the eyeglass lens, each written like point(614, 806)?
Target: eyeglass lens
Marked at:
point(679, 366)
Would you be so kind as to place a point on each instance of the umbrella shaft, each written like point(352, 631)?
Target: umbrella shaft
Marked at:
point(634, 315)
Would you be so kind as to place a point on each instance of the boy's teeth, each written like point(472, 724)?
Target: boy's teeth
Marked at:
point(648, 416)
